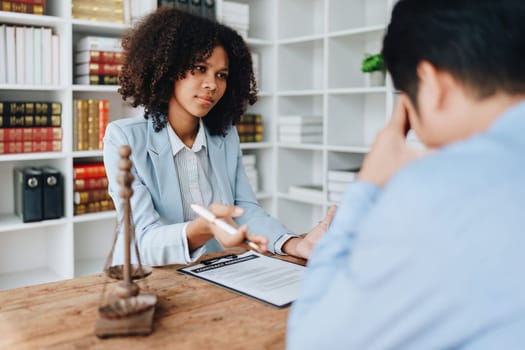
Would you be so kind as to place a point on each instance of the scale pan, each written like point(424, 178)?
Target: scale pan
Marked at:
point(137, 271)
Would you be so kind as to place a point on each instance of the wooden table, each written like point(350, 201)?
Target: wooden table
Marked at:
point(190, 314)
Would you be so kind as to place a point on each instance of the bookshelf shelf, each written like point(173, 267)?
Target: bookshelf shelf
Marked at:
point(301, 199)
point(31, 20)
point(24, 87)
point(357, 31)
point(11, 222)
point(32, 156)
point(302, 146)
point(110, 214)
point(255, 145)
point(95, 88)
point(105, 28)
point(87, 154)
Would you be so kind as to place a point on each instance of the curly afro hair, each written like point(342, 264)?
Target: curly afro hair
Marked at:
point(168, 43)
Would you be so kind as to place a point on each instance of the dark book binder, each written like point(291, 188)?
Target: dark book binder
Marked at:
point(52, 193)
point(208, 9)
point(28, 193)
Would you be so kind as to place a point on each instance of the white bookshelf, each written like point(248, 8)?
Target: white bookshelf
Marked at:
point(310, 53)
point(319, 48)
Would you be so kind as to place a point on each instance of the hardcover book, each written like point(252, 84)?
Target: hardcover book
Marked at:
point(10, 147)
point(89, 170)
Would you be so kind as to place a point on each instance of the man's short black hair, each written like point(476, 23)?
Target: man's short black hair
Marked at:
point(481, 43)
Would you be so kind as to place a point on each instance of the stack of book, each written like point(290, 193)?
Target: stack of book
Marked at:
point(98, 10)
point(90, 119)
point(35, 7)
point(250, 167)
point(338, 181)
point(312, 192)
point(300, 129)
point(237, 16)
point(29, 55)
point(27, 127)
point(98, 60)
point(90, 188)
point(204, 8)
point(250, 128)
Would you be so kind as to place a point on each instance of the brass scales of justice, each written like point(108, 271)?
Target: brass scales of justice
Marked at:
point(124, 310)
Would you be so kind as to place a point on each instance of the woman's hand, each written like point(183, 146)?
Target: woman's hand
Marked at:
point(199, 231)
point(302, 247)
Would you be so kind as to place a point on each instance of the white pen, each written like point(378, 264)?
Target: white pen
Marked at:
point(210, 217)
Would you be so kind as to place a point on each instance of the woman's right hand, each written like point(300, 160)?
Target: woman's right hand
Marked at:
point(199, 231)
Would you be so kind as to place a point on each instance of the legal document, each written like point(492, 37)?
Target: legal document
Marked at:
point(264, 278)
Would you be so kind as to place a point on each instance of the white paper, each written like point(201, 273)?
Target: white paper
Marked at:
point(271, 280)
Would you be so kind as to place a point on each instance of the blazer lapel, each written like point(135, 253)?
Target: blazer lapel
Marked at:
point(159, 150)
point(217, 157)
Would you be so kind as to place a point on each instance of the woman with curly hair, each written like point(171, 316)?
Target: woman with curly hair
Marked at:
point(194, 79)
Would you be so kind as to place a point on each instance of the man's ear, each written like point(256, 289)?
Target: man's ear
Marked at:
point(430, 88)
point(436, 87)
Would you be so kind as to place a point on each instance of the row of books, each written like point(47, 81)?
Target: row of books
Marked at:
point(94, 10)
point(237, 16)
point(90, 188)
point(113, 11)
point(90, 119)
point(250, 128)
point(250, 167)
point(29, 55)
point(204, 8)
point(337, 182)
point(35, 7)
point(98, 60)
point(300, 129)
point(28, 127)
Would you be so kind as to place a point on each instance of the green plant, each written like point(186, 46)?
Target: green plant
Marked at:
point(372, 63)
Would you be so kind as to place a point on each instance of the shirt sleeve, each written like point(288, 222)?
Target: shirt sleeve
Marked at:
point(195, 254)
point(329, 254)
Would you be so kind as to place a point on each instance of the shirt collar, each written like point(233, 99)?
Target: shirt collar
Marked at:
point(177, 144)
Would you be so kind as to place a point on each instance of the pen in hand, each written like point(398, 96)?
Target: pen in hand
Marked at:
point(210, 217)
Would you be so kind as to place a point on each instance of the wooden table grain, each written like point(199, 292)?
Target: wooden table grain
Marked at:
point(190, 314)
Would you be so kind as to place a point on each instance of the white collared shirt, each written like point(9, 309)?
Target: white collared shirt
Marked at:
point(198, 184)
point(196, 180)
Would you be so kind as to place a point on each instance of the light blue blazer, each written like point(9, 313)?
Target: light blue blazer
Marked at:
point(156, 202)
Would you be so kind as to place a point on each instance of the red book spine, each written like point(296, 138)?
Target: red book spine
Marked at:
point(31, 134)
point(110, 57)
point(21, 7)
point(35, 2)
point(90, 184)
point(88, 171)
point(104, 69)
point(10, 147)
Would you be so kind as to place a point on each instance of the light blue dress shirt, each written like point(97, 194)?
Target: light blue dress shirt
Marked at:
point(435, 260)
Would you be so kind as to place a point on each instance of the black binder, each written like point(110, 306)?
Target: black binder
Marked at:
point(28, 193)
point(52, 193)
point(208, 9)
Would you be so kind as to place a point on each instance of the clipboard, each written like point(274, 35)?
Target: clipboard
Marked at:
point(269, 280)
